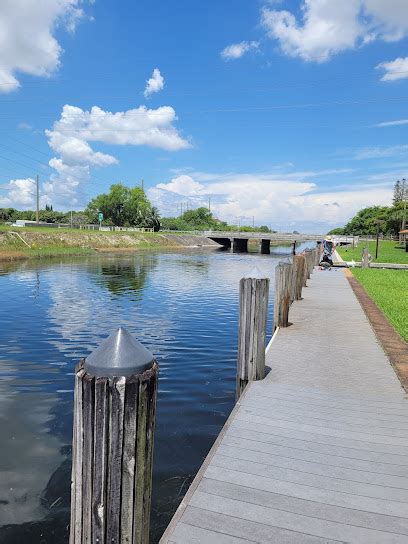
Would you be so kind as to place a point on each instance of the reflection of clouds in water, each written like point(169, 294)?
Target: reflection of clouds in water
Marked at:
point(28, 454)
point(201, 274)
point(81, 313)
point(71, 307)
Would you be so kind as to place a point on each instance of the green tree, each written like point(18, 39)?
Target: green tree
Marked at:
point(400, 191)
point(364, 222)
point(337, 230)
point(124, 207)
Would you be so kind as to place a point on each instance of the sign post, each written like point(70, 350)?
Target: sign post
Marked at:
point(100, 218)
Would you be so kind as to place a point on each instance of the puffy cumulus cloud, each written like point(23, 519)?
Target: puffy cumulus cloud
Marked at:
point(329, 27)
point(154, 84)
point(394, 69)
point(237, 50)
point(19, 193)
point(71, 135)
point(277, 199)
point(27, 41)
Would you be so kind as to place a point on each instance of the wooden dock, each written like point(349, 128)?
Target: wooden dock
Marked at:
point(317, 452)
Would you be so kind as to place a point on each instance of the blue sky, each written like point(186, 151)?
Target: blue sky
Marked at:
point(276, 110)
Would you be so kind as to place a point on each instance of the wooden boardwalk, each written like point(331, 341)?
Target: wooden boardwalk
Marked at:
point(318, 451)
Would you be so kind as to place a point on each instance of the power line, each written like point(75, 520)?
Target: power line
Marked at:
point(150, 113)
point(290, 85)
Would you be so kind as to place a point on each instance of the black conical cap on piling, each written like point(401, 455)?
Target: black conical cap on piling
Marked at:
point(119, 355)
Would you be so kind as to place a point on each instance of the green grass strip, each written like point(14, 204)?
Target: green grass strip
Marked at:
point(389, 290)
point(388, 252)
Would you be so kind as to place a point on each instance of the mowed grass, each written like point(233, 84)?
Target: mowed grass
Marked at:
point(389, 290)
point(388, 252)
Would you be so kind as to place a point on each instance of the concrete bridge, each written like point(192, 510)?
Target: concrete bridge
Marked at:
point(239, 240)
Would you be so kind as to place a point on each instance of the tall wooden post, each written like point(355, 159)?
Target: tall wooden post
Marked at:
point(299, 263)
point(114, 421)
point(283, 284)
point(365, 261)
point(253, 292)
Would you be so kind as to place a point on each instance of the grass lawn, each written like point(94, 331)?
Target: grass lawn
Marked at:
point(387, 252)
point(389, 290)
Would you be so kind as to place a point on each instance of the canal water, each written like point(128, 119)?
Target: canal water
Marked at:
point(183, 306)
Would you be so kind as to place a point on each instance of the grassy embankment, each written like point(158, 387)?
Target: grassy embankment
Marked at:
point(388, 252)
point(389, 290)
point(23, 243)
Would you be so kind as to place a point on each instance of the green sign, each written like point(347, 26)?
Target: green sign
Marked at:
point(100, 216)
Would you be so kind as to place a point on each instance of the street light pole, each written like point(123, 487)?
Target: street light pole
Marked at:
point(37, 215)
point(378, 222)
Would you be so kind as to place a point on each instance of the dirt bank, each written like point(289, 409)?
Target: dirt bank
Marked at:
point(24, 243)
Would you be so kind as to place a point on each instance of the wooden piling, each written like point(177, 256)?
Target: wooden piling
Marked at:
point(365, 261)
point(114, 421)
point(299, 264)
point(283, 287)
point(254, 292)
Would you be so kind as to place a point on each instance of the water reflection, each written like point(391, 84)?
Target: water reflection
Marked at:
point(183, 306)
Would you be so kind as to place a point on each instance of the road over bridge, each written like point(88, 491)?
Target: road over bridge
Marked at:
point(239, 240)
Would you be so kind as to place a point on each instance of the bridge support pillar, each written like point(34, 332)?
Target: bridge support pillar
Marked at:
point(265, 247)
point(240, 244)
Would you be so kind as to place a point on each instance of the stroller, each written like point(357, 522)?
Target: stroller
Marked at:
point(326, 260)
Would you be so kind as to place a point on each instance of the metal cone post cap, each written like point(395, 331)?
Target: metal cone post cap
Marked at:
point(256, 274)
point(119, 355)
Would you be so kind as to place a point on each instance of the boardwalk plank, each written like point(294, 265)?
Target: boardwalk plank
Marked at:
point(305, 507)
point(189, 534)
point(275, 428)
point(318, 450)
point(310, 479)
point(299, 523)
point(324, 459)
point(302, 491)
point(252, 531)
point(309, 443)
point(347, 474)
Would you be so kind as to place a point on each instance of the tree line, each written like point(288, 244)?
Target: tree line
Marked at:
point(387, 219)
point(127, 207)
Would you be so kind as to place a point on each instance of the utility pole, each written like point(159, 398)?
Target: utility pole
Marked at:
point(209, 204)
point(37, 215)
point(253, 221)
point(142, 184)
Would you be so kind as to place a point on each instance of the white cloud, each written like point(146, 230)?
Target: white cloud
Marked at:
point(394, 69)
point(71, 135)
point(276, 199)
point(237, 50)
point(20, 193)
point(27, 41)
point(328, 27)
point(381, 152)
point(154, 84)
point(396, 123)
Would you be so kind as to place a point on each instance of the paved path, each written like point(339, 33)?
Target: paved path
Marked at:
point(318, 451)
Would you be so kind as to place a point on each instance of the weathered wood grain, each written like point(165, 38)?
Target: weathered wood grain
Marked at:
point(88, 384)
point(129, 458)
point(77, 455)
point(100, 466)
point(252, 331)
point(117, 401)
